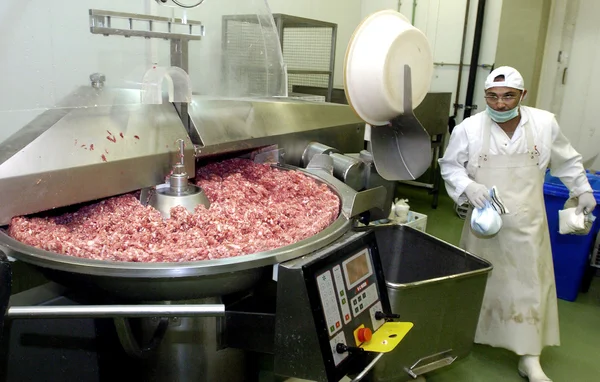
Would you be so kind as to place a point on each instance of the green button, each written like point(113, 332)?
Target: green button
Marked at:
point(343, 301)
point(332, 328)
point(342, 293)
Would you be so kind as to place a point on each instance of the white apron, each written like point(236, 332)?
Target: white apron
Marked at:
point(519, 310)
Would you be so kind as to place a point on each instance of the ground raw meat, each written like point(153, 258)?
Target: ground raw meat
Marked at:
point(254, 208)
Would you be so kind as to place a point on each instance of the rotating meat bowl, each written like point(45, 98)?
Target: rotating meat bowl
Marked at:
point(289, 124)
point(173, 281)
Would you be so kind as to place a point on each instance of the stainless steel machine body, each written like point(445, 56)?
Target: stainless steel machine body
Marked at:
point(245, 126)
point(103, 142)
point(54, 170)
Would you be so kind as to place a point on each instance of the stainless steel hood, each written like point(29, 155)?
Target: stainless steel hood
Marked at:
point(81, 152)
point(102, 142)
point(221, 125)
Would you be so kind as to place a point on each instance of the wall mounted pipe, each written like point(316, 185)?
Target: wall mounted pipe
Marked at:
point(460, 66)
point(414, 11)
point(474, 58)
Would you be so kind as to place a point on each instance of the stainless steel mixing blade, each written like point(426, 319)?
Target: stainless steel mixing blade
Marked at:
point(402, 150)
point(177, 192)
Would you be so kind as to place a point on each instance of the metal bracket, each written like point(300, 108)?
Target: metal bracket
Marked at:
point(402, 150)
point(101, 23)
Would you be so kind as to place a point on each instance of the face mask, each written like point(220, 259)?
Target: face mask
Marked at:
point(502, 116)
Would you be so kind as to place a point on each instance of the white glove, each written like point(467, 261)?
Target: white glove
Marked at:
point(477, 194)
point(587, 203)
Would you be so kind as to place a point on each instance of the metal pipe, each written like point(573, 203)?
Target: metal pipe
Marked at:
point(414, 9)
point(112, 311)
point(474, 58)
point(331, 63)
point(462, 55)
point(484, 66)
point(368, 368)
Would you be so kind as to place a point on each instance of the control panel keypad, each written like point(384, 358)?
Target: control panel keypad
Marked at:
point(364, 299)
point(329, 302)
point(341, 293)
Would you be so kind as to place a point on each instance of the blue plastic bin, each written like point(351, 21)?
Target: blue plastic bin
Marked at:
point(569, 252)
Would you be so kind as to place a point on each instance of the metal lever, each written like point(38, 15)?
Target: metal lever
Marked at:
point(342, 348)
point(368, 368)
point(113, 311)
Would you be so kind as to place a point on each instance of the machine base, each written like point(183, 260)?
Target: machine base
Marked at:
point(85, 349)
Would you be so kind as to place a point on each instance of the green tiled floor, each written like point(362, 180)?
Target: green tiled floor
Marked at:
point(577, 359)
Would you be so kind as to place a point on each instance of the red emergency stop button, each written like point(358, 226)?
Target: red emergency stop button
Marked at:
point(364, 334)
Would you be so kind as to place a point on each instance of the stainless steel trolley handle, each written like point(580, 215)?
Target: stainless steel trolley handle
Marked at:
point(114, 311)
point(368, 368)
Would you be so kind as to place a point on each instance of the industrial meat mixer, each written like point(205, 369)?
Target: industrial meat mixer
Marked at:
point(314, 309)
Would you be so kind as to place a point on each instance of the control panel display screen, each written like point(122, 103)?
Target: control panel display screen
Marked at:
point(357, 268)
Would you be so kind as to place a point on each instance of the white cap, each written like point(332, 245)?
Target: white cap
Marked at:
point(512, 78)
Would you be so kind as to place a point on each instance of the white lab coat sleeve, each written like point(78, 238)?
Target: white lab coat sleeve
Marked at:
point(566, 163)
point(453, 165)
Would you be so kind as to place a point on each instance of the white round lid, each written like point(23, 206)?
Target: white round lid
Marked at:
point(374, 66)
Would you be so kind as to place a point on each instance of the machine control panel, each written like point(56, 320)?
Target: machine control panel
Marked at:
point(347, 290)
point(350, 297)
point(338, 302)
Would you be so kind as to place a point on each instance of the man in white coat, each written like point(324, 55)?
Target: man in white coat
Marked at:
point(510, 146)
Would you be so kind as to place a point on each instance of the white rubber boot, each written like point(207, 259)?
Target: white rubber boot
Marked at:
point(529, 367)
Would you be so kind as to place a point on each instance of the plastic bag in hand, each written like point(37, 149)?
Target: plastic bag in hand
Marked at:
point(574, 224)
point(486, 221)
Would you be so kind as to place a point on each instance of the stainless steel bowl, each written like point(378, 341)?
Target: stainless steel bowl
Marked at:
point(172, 281)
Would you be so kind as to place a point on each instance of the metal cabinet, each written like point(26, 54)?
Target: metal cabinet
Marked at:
point(308, 51)
point(308, 48)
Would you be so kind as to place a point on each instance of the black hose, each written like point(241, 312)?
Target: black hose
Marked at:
point(474, 59)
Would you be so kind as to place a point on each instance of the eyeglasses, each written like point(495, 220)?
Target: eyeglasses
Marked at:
point(494, 98)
